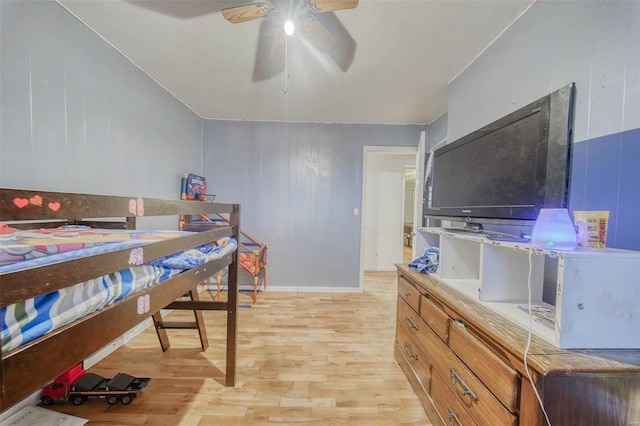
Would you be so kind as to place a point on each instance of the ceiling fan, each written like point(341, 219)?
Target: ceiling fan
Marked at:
point(313, 19)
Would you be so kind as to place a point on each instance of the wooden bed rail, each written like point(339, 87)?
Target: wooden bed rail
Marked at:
point(20, 204)
point(28, 283)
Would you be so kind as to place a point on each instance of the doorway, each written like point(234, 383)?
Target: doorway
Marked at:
point(409, 209)
point(383, 206)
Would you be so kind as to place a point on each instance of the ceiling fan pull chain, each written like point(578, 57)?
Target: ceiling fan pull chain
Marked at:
point(286, 65)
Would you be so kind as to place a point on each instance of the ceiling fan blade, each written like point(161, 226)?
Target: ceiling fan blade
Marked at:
point(317, 33)
point(331, 5)
point(247, 12)
point(344, 49)
point(269, 60)
point(277, 42)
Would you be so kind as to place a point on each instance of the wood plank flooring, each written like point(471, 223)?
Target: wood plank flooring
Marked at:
point(303, 359)
point(407, 254)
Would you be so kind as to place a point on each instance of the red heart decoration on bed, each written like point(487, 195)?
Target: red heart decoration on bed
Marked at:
point(54, 206)
point(36, 200)
point(20, 202)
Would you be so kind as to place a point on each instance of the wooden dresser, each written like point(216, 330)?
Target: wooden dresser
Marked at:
point(466, 364)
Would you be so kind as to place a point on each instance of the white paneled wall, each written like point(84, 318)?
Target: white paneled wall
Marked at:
point(77, 116)
point(300, 186)
point(595, 44)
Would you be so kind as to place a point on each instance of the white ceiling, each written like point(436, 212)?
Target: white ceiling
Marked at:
point(407, 53)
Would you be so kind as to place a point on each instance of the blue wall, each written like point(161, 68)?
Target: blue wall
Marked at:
point(606, 176)
point(299, 184)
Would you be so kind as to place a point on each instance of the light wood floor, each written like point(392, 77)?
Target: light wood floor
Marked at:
point(304, 359)
point(407, 254)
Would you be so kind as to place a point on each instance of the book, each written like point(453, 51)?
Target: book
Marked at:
point(194, 187)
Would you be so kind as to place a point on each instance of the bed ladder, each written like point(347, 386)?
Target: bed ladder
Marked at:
point(161, 325)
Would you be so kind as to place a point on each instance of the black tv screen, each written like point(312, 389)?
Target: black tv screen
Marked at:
point(506, 171)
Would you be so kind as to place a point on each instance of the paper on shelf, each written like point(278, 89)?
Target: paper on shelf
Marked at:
point(542, 314)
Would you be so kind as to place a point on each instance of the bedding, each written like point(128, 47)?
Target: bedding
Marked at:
point(29, 319)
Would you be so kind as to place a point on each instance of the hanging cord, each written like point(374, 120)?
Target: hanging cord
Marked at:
point(286, 65)
point(526, 350)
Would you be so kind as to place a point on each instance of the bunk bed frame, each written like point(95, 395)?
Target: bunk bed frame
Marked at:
point(31, 366)
point(253, 261)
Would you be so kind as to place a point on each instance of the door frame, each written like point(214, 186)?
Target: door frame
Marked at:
point(368, 150)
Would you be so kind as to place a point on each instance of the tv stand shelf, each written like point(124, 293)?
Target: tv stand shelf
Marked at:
point(595, 294)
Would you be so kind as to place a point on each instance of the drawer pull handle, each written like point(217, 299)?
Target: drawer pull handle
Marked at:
point(412, 354)
point(411, 323)
point(452, 417)
point(466, 390)
point(406, 295)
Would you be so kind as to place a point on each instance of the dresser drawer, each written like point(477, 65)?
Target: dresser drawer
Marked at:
point(447, 404)
point(414, 356)
point(409, 319)
point(491, 368)
point(409, 294)
point(480, 403)
point(432, 313)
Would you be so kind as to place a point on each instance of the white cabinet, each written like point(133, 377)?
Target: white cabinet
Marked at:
point(597, 293)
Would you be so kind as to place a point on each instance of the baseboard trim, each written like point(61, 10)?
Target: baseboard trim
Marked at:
point(305, 289)
point(381, 269)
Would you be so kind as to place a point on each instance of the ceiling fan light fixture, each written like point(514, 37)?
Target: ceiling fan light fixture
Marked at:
point(289, 28)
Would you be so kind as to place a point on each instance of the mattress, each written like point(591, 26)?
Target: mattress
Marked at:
point(27, 320)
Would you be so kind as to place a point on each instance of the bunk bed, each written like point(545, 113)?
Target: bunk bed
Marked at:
point(29, 366)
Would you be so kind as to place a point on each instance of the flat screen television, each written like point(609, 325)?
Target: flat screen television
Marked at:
point(505, 172)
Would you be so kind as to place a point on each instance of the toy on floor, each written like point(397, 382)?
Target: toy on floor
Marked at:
point(77, 385)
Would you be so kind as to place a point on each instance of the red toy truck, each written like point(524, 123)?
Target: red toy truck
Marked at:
point(77, 385)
